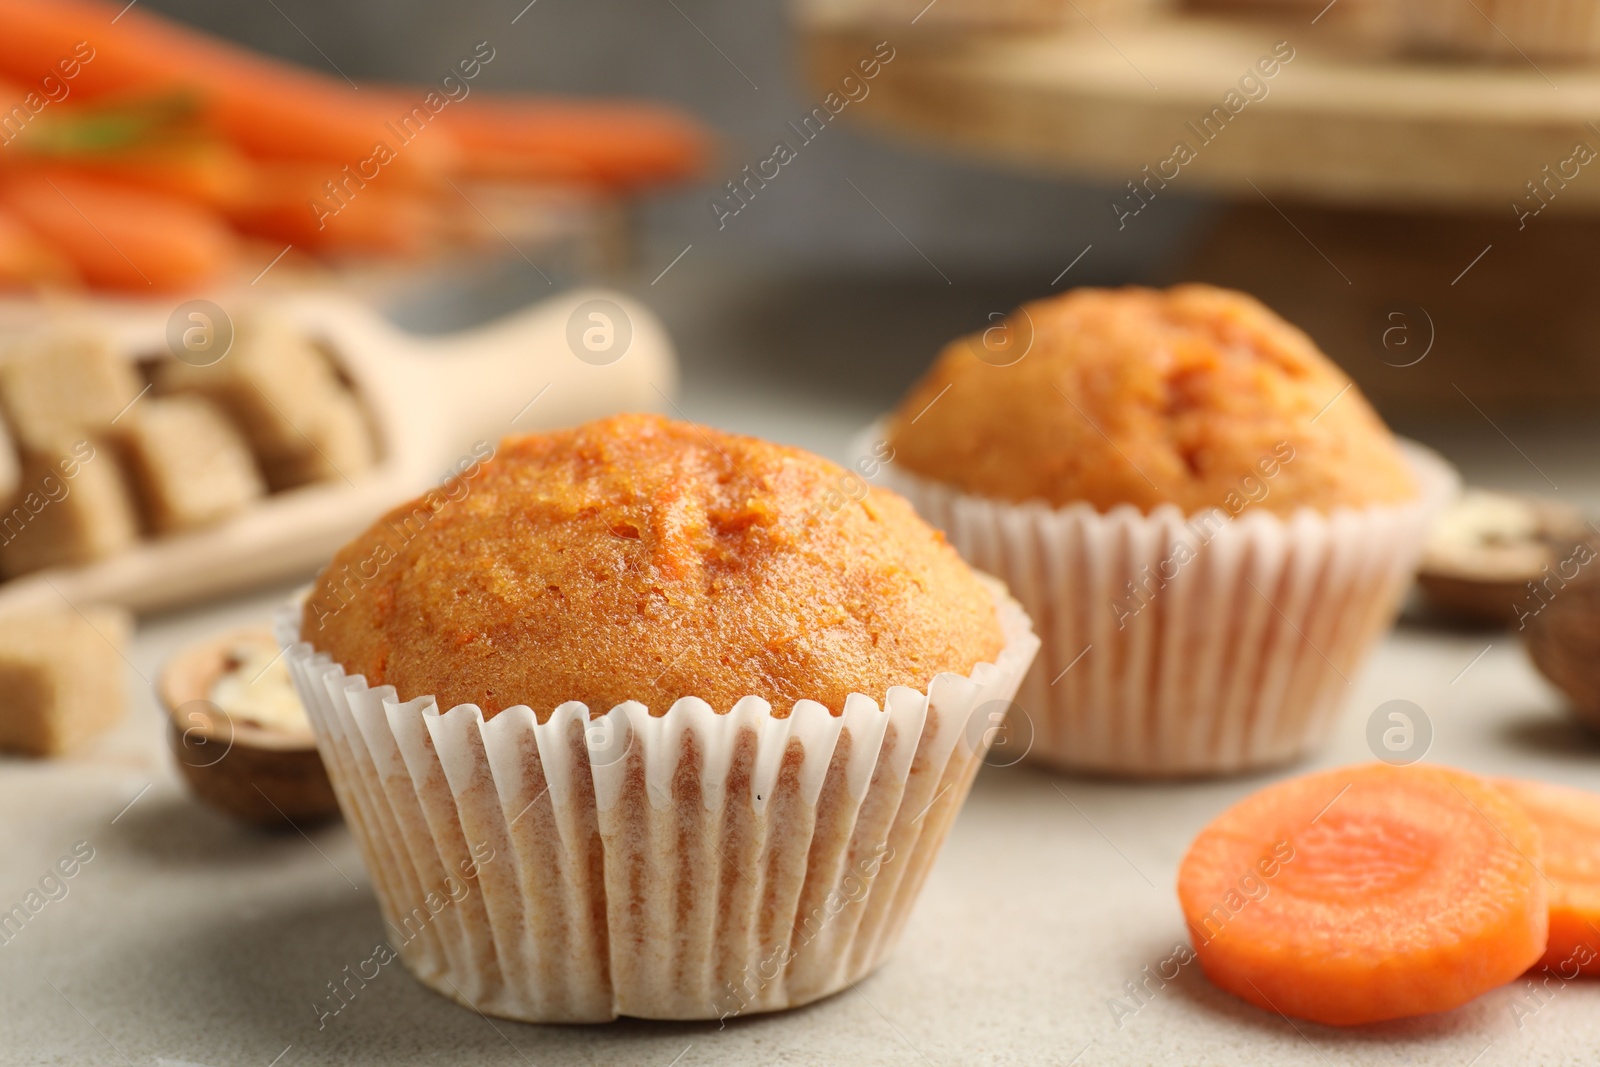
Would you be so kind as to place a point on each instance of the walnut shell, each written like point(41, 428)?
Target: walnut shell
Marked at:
point(1488, 547)
point(265, 777)
point(1563, 640)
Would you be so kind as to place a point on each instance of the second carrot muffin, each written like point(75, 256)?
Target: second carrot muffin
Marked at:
point(1205, 518)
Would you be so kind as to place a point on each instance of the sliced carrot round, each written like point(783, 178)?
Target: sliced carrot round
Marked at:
point(1569, 822)
point(1366, 893)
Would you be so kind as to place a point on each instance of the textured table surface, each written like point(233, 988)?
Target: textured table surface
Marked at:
point(187, 940)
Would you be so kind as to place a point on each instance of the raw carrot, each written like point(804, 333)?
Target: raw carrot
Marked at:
point(619, 145)
point(25, 261)
point(268, 108)
point(1366, 893)
point(117, 237)
point(76, 128)
point(154, 143)
point(206, 172)
point(208, 175)
point(290, 202)
point(1569, 822)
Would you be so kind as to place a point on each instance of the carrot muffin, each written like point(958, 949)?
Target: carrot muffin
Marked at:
point(637, 558)
point(1207, 519)
point(709, 720)
point(1147, 397)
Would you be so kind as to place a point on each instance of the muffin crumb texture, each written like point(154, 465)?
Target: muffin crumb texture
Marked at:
point(1194, 396)
point(638, 558)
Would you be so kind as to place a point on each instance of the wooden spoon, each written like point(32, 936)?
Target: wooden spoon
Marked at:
point(572, 357)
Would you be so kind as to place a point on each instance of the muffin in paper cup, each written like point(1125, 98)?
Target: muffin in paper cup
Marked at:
point(1178, 645)
point(720, 857)
point(1178, 639)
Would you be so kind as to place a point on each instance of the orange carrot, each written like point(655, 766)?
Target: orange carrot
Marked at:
point(291, 202)
point(1569, 821)
point(25, 261)
point(117, 237)
point(268, 108)
point(614, 144)
point(1366, 893)
point(207, 174)
point(154, 143)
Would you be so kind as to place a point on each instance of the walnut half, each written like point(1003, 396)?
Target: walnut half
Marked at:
point(1495, 559)
point(1563, 639)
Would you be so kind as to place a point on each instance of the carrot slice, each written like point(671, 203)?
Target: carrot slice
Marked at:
point(1366, 893)
point(117, 237)
point(1569, 821)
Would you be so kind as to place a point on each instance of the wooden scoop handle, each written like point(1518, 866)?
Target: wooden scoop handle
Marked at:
point(566, 359)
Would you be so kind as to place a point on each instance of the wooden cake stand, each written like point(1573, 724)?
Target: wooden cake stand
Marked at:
point(1370, 189)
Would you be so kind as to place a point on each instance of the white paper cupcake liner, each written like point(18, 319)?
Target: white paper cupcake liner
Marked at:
point(1236, 658)
point(690, 865)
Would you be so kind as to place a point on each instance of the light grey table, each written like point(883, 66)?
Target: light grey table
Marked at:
point(188, 940)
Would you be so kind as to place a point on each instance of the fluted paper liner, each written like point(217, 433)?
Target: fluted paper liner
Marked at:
point(1237, 658)
point(690, 865)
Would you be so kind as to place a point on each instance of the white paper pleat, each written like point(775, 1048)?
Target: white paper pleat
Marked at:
point(1242, 656)
point(688, 865)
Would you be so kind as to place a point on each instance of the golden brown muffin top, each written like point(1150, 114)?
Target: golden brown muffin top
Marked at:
point(1194, 396)
point(639, 558)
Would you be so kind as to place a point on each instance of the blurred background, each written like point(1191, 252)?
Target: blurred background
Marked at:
point(890, 236)
point(811, 289)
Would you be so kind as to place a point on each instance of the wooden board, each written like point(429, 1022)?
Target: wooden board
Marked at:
point(1338, 125)
point(1438, 316)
